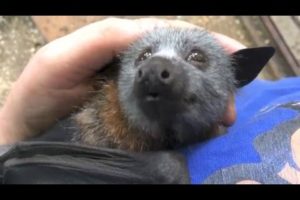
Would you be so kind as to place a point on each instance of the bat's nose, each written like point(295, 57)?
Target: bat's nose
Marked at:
point(158, 71)
point(158, 79)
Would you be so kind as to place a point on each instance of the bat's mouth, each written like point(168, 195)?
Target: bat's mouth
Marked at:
point(157, 107)
point(152, 97)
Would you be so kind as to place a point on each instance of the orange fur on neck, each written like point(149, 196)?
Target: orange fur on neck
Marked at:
point(116, 126)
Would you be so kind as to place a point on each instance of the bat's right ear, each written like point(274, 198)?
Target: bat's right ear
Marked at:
point(249, 62)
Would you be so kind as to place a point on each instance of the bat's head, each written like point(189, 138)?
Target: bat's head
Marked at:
point(178, 84)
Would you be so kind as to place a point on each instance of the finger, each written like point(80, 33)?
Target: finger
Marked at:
point(228, 43)
point(295, 146)
point(231, 45)
point(229, 116)
point(248, 182)
point(80, 54)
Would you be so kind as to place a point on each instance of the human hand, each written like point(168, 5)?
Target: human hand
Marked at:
point(57, 78)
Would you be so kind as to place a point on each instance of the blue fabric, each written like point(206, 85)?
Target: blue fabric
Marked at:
point(257, 113)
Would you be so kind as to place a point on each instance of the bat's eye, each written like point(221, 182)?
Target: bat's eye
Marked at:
point(196, 57)
point(145, 55)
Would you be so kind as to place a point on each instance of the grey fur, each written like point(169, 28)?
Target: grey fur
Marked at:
point(209, 88)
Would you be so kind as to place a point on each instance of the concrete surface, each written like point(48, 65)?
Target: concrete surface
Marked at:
point(19, 40)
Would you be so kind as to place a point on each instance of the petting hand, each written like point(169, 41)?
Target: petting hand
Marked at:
point(57, 78)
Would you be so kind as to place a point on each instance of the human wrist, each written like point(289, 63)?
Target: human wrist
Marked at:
point(8, 132)
point(13, 127)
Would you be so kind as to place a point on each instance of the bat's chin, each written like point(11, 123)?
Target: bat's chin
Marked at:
point(161, 109)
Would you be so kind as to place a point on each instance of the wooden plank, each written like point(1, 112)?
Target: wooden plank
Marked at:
point(289, 28)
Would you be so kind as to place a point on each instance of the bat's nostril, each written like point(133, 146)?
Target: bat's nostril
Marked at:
point(165, 74)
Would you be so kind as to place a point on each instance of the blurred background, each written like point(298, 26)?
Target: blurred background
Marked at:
point(22, 36)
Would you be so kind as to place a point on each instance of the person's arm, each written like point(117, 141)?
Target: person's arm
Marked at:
point(57, 78)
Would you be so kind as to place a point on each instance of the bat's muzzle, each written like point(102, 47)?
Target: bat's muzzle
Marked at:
point(159, 83)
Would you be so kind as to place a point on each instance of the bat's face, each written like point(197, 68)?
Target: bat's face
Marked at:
point(175, 83)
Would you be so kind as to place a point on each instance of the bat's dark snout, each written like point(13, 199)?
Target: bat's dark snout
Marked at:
point(158, 79)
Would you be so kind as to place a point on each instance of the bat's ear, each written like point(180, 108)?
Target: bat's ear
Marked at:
point(249, 62)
